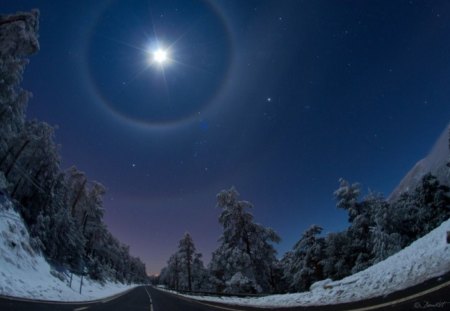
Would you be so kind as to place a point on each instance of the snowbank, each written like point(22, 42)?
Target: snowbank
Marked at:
point(25, 273)
point(426, 258)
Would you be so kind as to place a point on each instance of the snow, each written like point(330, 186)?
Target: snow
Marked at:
point(25, 273)
point(426, 258)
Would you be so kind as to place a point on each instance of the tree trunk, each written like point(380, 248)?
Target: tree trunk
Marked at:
point(16, 187)
point(177, 272)
point(34, 179)
point(10, 149)
point(85, 218)
point(16, 157)
point(189, 275)
point(49, 195)
point(77, 198)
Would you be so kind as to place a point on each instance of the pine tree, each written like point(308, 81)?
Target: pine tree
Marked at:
point(245, 259)
point(186, 250)
point(360, 215)
point(174, 269)
point(385, 239)
point(347, 198)
point(185, 270)
point(200, 276)
point(304, 266)
point(337, 262)
point(18, 40)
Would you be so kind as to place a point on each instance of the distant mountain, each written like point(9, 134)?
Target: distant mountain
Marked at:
point(435, 162)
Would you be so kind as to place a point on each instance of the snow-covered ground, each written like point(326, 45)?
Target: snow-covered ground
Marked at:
point(25, 273)
point(426, 258)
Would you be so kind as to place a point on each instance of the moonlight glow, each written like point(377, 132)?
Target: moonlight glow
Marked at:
point(160, 56)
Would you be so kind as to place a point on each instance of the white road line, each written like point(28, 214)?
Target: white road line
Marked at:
point(82, 308)
point(108, 299)
point(149, 298)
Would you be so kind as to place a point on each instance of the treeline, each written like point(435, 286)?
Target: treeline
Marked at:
point(63, 209)
point(245, 261)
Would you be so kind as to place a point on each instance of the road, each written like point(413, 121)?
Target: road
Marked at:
point(431, 295)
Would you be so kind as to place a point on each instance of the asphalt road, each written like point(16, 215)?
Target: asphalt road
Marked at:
point(137, 299)
point(431, 295)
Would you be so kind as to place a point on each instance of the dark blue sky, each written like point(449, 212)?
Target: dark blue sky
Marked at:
point(278, 98)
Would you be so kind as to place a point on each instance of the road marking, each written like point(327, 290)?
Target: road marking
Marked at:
point(108, 299)
point(428, 291)
point(390, 303)
point(221, 308)
point(208, 304)
point(82, 308)
point(149, 298)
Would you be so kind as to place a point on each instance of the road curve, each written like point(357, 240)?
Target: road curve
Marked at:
point(134, 300)
point(431, 295)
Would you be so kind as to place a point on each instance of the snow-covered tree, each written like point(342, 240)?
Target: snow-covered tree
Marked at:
point(418, 212)
point(304, 264)
point(245, 259)
point(64, 215)
point(33, 169)
point(347, 197)
point(174, 271)
point(60, 235)
point(185, 270)
point(360, 215)
point(77, 191)
point(337, 262)
point(433, 201)
point(92, 215)
point(200, 275)
point(18, 40)
point(186, 250)
point(385, 239)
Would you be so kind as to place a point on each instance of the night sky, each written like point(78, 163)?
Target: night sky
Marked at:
point(278, 98)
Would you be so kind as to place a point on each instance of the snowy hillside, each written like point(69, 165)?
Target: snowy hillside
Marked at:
point(435, 163)
point(426, 258)
point(25, 273)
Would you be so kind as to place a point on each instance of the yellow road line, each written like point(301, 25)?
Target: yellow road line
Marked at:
point(417, 295)
point(386, 304)
point(206, 304)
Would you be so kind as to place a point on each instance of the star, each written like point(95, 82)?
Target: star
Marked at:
point(269, 99)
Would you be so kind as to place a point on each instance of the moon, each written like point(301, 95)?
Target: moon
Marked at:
point(154, 63)
point(160, 56)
